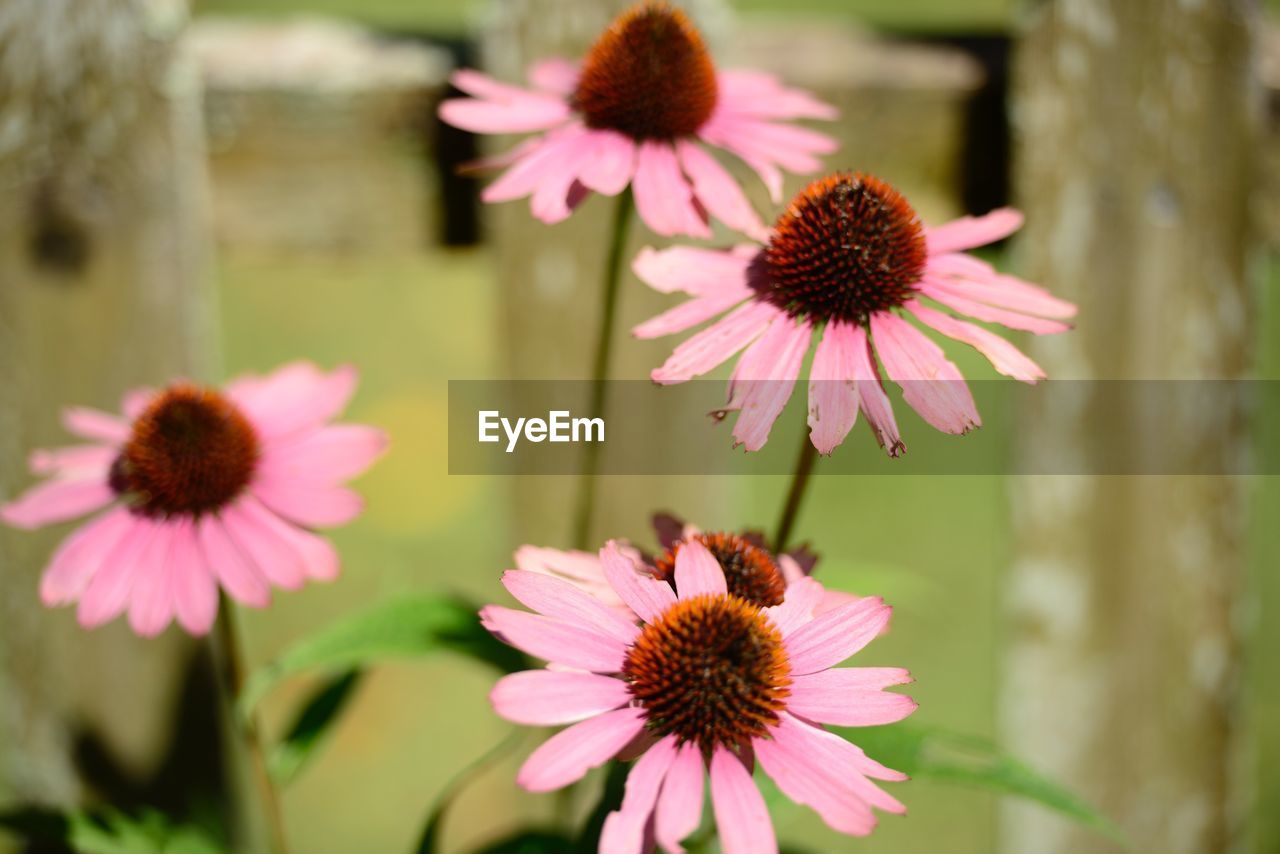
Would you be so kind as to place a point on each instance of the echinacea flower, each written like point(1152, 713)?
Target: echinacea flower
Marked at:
point(849, 259)
point(638, 110)
point(706, 685)
point(199, 488)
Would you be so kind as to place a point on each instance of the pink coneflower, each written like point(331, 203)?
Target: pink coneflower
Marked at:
point(851, 259)
point(637, 111)
point(201, 488)
point(707, 683)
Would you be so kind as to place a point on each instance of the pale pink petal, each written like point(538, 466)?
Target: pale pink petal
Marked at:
point(742, 819)
point(552, 200)
point(718, 191)
point(830, 638)
point(551, 697)
point(532, 167)
point(1004, 357)
point(555, 75)
point(317, 556)
point(717, 343)
point(81, 555)
point(108, 589)
point(851, 696)
point(296, 397)
point(531, 113)
point(691, 312)
point(94, 424)
point(608, 162)
point(625, 830)
point(582, 569)
point(151, 596)
point(976, 279)
point(310, 504)
point(679, 810)
point(555, 640)
point(970, 231)
point(764, 378)
point(744, 92)
point(483, 86)
point(195, 592)
point(694, 270)
point(554, 597)
point(831, 751)
point(327, 455)
point(74, 462)
point(871, 395)
point(234, 571)
point(797, 607)
point(57, 501)
point(663, 199)
point(256, 533)
point(793, 148)
point(833, 392)
point(698, 573)
point(791, 569)
point(645, 595)
point(931, 383)
point(135, 401)
point(951, 295)
point(569, 754)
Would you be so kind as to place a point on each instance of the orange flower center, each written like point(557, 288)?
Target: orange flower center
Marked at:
point(749, 570)
point(711, 670)
point(847, 246)
point(648, 76)
point(191, 452)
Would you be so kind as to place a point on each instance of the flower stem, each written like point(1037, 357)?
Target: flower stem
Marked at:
point(795, 495)
point(600, 368)
point(232, 669)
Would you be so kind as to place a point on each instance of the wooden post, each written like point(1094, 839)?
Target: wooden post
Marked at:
point(102, 288)
point(1136, 127)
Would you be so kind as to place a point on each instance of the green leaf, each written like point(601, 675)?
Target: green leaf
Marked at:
point(407, 626)
point(312, 725)
point(927, 753)
point(107, 831)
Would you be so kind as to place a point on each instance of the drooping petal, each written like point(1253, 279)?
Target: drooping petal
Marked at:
point(501, 108)
point(195, 592)
point(697, 572)
point(256, 533)
point(553, 198)
point(1004, 357)
point(718, 191)
point(234, 571)
point(57, 500)
point(851, 696)
point(830, 638)
point(559, 641)
point(801, 599)
point(971, 231)
point(931, 383)
point(831, 751)
point(742, 819)
point(309, 504)
point(679, 809)
point(645, 595)
point(316, 555)
point(94, 424)
point(81, 555)
point(74, 462)
point(569, 754)
point(976, 279)
point(764, 378)
point(608, 162)
point(871, 395)
point(833, 392)
point(691, 312)
point(554, 597)
point(625, 829)
point(582, 569)
point(744, 92)
point(151, 596)
point(663, 198)
point(554, 75)
point(553, 697)
point(694, 270)
point(108, 590)
point(795, 149)
point(953, 297)
point(327, 455)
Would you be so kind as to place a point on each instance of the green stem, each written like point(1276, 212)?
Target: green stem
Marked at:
point(233, 670)
point(600, 368)
point(795, 495)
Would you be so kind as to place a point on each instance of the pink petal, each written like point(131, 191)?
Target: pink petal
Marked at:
point(690, 313)
point(756, 93)
point(693, 270)
point(532, 167)
point(976, 279)
point(679, 810)
point(851, 696)
point(108, 590)
point(318, 557)
point(791, 569)
point(742, 819)
point(717, 343)
point(798, 604)
point(531, 113)
point(555, 75)
point(310, 504)
point(136, 400)
point(930, 382)
point(645, 595)
point(625, 830)
point(568, 755)
point(833, 393)
point(554, 597)
point(951, 295)
point(831, 751)
point(95, 424)
point(968, 232)
point(663, 199)
point(718, 191)
point(555, 640)
point(233, 569)
point(764, 378)
point(582, 569)
point(296, 397)
point(57, 501)
point(793, 148)
point(151, 597)
point(483, 86)
point(81, 555)
point(608, 162)
point(698, 573)
point(327, 455)
point(830, 638)
point(552, 199)
point(871, 395)
point(195, 593)
point(256, 532)
point(552, 697)
point(1004, 357)
point(74, 462)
